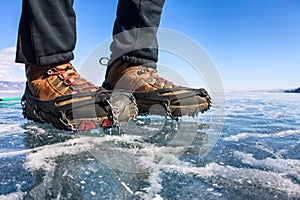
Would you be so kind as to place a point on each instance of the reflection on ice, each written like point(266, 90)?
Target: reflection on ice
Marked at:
point(134, 160)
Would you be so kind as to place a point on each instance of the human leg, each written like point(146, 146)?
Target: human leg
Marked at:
point(134, 33)
point(133, 62)
point(46, 40)
point(135, 45)
point(55, 91)
point(47, 32)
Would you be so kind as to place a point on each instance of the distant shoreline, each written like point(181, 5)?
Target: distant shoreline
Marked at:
point(16, 87)
point(293, 91)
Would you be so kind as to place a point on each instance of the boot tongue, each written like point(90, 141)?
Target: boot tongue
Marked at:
point(64, 66)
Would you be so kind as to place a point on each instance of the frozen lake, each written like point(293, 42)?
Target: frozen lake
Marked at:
point(256, 156)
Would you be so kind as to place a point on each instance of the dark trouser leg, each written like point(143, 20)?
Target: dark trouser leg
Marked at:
point(47, 32)
point(138, 46)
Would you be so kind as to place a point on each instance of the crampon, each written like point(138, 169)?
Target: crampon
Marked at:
point(174, 102)
point(81, 111)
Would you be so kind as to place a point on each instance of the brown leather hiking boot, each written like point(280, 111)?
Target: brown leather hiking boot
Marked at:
point(59, 95)
point(125, 76)
point(50, 82)
point(149, 88)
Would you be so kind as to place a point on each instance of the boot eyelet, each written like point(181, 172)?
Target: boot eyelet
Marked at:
point(140, 72)
point(49, 72)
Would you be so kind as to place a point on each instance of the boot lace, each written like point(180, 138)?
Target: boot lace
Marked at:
point(67, 75)
point(153, 73)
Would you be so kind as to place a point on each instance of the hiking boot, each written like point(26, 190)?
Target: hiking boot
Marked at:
point(150, 89)
point(49, 82)
point(59, 95)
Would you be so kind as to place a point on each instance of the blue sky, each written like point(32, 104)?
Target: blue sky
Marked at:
point(255, 44)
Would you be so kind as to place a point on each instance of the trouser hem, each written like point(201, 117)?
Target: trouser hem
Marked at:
point(49, 60)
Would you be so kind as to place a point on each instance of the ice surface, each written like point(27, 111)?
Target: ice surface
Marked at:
point(240, 136)
point(256, 157)
point(12, 196)
point(279, 165)
point(232, 178)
